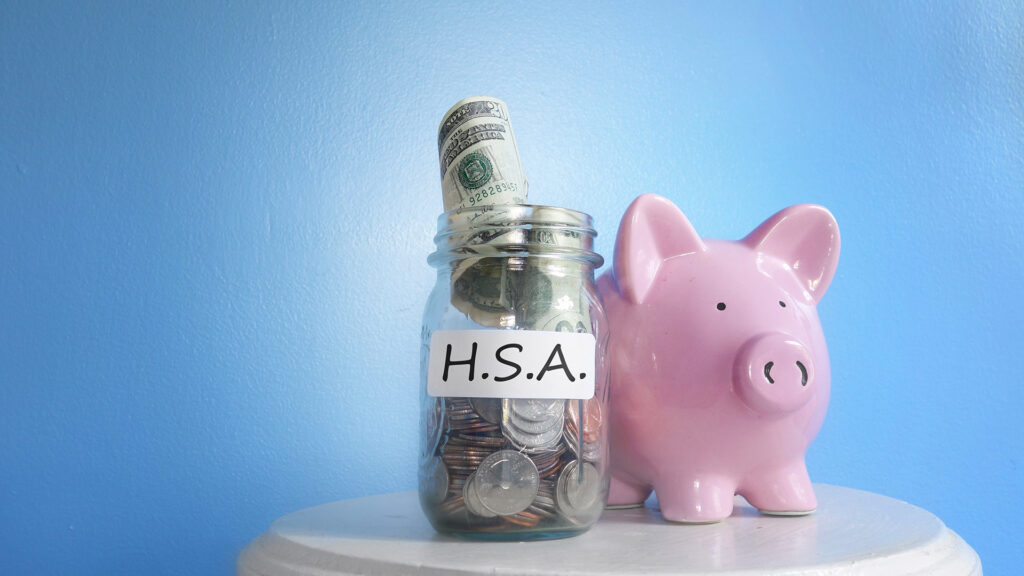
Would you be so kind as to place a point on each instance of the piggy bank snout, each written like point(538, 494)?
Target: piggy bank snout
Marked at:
point(774, 373)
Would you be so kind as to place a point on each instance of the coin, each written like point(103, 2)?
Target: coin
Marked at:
point(433, 421)
point(589, 450)
point(534, 426)
point(577, 487)
point(506, 482)
point(534, 442)
point(550, 461)
point(488, 408)
point(472, 499)
point(435, 480)
point(465, 438)
point(536, 409)
point(452, 505)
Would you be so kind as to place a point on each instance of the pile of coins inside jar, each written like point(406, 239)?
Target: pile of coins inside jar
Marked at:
point(502, 463)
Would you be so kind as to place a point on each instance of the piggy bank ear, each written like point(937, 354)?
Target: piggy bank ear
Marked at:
point(652, 231)
point(806, 237)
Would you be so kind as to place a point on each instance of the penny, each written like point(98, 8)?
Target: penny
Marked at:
point(589, 450)
point(477, 440)
point(458, 460)
point(474, 427)
point(464, 417)
point(451, 506)
point(552, 470)
point(592, 417)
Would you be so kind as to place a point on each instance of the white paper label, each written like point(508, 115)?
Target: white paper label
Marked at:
point(511, 364)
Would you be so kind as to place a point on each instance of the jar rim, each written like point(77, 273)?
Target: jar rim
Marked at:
point(456, 228)
point(521, 213)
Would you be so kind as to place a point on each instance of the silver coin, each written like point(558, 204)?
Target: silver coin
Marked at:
point(592, 451)
point(537, 409)
point(577, 491)
point(531, 442)
point(535, 426)
point(472, 499)
point(434, 480)
point(506, 482)
point(434, 420)
point(544, 502)
point(488, 408)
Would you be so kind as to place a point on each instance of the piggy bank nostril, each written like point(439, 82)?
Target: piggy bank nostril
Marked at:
point(803, 373)
point(768, 372)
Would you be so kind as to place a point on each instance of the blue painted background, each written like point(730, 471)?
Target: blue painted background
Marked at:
point(214, 220)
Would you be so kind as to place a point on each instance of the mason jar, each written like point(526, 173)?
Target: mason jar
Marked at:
point(514, 418)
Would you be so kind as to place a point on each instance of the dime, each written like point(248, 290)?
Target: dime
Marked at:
point(506, 482)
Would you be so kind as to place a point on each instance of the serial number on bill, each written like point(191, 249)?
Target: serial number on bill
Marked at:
point(492, 190)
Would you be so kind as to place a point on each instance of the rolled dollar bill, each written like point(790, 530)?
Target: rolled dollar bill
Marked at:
point(478, 155)
point(496, 288)
point(554, 300)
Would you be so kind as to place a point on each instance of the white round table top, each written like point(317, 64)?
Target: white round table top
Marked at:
point(852, 532)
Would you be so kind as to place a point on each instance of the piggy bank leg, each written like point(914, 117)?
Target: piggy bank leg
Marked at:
point(626, 493)
point(786, 491)
point(695, 501)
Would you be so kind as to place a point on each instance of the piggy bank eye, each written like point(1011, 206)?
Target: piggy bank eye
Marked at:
point(721, 306)
point(781, 303)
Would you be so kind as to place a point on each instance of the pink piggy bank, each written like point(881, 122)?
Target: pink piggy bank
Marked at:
point(719, 372)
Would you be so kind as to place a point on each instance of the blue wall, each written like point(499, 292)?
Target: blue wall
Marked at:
point(214, 221)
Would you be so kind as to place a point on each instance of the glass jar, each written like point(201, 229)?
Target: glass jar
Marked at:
point(514, 441)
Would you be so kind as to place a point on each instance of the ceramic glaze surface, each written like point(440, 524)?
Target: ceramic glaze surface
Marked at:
point(719, 368)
